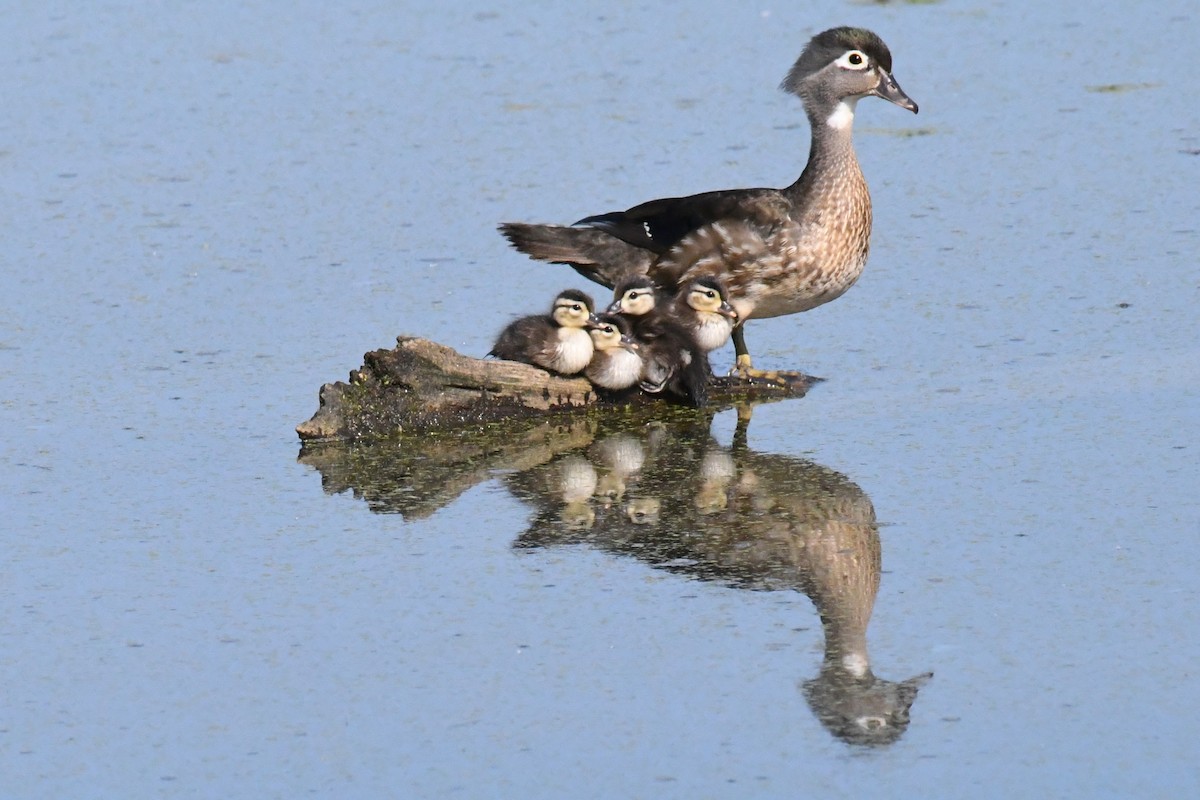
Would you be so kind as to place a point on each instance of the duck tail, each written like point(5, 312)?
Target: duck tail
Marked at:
point(592, 253)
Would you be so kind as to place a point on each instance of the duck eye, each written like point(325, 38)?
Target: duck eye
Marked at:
point(853, 59)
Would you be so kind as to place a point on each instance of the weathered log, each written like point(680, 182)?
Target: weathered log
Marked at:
point(420, 386)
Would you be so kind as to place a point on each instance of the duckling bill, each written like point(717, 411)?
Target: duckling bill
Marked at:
point(558, 341)
point(777, 251)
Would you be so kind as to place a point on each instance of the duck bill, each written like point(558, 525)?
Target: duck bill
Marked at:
point(889, 90)
point(615, 308)
point(726, 310)
point(629, 344)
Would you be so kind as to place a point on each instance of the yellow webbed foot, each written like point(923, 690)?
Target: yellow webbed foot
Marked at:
point(745, 371)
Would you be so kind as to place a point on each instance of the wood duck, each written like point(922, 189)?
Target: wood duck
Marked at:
point(778, 251)
point(701, 307)
point(558, 341)
point(671, 358)
point(616, 363)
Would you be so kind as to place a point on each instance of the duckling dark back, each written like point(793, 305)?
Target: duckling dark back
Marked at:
point(672, 359)
point(516, 341)
point(539, 339)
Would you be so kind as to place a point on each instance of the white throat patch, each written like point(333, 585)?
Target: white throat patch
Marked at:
point(842, 116)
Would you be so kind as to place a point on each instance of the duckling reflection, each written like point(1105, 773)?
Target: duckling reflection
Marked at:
point(569, 482)
point(717, 471)
point(748, 520)
point(618, 459)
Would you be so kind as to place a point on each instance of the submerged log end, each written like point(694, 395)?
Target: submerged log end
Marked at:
point(421, 385)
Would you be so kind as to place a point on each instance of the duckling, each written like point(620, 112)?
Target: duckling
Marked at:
point(672, 362)
point(779, 251)
point(615, 362)
point(635, 298)
point(671, 357)
point(557, 341)
point(702, 306)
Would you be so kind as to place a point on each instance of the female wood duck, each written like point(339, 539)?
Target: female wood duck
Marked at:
point(557, 341)
point(778, 251)
point(615, 363)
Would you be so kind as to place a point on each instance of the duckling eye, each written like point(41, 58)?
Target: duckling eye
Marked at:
point(855, 59)
point(710, 294)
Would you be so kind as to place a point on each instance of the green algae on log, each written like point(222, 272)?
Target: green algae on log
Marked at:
point(421, 386)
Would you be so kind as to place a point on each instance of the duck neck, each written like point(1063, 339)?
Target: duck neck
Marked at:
point(831, 152)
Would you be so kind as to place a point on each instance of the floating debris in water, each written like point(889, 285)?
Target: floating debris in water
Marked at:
point(1113, 88)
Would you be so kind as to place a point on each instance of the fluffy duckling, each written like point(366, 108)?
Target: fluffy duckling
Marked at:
point(558, 341)
point(635, 298)
point(701, 306)
point(616, 363)
point(671, 358)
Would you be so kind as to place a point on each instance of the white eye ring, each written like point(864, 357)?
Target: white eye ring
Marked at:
point(854, 59)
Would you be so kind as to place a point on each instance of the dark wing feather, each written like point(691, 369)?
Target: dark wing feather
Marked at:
point(658, 225)
point(592, 253)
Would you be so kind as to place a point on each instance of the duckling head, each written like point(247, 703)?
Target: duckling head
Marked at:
point(634, 296)
point(572, 309)
point(707, 295)
point(610, 331)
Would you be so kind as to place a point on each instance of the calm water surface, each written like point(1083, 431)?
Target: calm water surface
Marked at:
point(964, 566)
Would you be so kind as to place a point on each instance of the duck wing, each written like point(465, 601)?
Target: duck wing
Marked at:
point(591, 252)
point(659, 225)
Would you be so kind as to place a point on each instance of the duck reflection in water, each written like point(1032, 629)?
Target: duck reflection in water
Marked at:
point(662, 490)
point(671, 496)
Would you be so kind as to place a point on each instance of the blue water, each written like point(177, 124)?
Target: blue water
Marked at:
point(212, 209)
